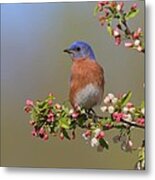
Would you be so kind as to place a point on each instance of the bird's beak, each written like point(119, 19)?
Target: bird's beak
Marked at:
point(68, 51)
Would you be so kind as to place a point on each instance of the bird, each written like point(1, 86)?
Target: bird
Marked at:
point(87, 76)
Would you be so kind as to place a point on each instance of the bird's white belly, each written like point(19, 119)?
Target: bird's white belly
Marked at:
point(89, 96)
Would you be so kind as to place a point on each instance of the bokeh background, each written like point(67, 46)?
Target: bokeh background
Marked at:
point(33, 64)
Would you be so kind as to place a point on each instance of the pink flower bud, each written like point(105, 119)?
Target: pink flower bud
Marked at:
point(137, 33)
point(34, 132)
point(100, 8)
point(87, 133)
point(27, 109)
point(45, 138)
point(100, 135)
point(116, 32)
point(106, 11)
point(75, 115)
point(117, 116)
point(119, 6)
point(129, 105)
point(103, 3)
point(50, 117)
point(128, 44)
point(61, 136)
point(139, 30)
point(29, 102)
point(50, 102)
point(108, 125)
point(139, 48)
point(58, 106)
point(50, 120)
point(113, 4)
point(134, 6)
point(117, 41)
point(31, 122)
point(50, 94)
point(140, 121)
point(41, 131)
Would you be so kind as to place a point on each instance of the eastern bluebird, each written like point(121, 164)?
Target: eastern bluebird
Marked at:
point(87, 76)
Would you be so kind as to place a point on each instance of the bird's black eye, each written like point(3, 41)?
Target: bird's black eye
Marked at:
point(78, 48)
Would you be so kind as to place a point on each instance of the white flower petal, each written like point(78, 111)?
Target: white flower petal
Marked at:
point(111, 109)
point(114, 100)
point(97, 131)
point(125, 110)
point(71, 111)
point(132, 110)
point(127, 117)
point(104, 108)
point(106, 100)
point(143, 111)
point(111, 96)
point(84, 136)
point(94, 142)
point(137, 42)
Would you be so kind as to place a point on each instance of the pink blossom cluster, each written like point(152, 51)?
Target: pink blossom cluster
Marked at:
point(94, 136)
point(121, 32)
point(29, 106)
point(45, 114)
point(127, 112)
point(40, 133)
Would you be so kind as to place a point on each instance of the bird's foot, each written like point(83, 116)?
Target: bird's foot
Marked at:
point(92, 114)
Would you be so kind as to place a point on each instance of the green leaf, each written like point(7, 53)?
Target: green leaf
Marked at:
point(73, 124)
point(141, 154)
point(41, 105)
point(64, 123)
point(142, 104)
point(126, 98)
point(109, 29)
point(104, 143)
point(81, 120)
point(66, 134)
point(34, 114)
point(131, 14)
point(96, 10)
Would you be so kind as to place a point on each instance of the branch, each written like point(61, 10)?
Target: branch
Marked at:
point(58, 119)
point(133, 124)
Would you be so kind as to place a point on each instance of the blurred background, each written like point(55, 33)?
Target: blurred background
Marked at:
point(33, 64)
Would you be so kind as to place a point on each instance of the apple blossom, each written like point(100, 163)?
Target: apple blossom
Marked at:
point(111, 109)
point(94, 142)
point(104, 108)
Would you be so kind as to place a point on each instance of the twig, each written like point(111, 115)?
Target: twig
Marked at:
point(123, 121)
point(133, 124)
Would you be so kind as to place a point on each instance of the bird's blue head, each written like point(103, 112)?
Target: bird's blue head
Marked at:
point(80, 50)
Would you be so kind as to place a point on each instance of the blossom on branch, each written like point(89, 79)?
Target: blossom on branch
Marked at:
point(113, 15)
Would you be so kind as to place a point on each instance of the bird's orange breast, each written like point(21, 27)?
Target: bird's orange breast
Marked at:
point(83, 73)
